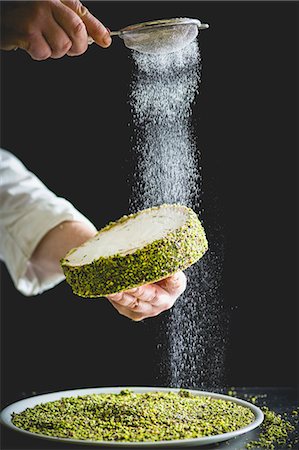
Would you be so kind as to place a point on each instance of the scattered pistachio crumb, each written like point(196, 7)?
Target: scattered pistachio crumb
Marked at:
point(274, 431)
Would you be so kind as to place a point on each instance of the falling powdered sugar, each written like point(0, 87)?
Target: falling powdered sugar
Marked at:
point(162, 91)
point(167, 170)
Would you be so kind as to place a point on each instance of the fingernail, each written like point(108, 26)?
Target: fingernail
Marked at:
point(107, 39)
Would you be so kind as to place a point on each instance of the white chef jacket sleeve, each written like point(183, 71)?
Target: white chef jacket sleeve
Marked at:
point(28, 210)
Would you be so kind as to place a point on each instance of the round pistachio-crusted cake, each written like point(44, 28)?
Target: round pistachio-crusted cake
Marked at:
point(137, 249)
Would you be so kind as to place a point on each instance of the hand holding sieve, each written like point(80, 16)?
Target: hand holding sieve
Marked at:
point(160, 36)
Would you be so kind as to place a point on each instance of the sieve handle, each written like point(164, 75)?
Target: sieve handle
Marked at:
point(115, 33)
point(203, 26)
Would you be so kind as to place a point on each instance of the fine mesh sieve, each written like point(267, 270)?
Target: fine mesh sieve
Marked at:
point(160, 36)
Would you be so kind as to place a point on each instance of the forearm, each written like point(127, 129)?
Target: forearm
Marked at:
point(56, 243)
point(30, 217)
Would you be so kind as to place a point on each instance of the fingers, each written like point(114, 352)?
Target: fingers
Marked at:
point(149, 300)
point(159, 302)
point(146, 293)
point(53, 28)
point(59, 42)
point(175, 284)
point(94, 27)
point(124, 299)
point(136, 316)
point(37, 47)
point(73, 26)
point(97, 30)
point(136, 298)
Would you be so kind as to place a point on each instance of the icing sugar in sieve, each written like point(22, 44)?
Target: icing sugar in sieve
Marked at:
point(160, 36)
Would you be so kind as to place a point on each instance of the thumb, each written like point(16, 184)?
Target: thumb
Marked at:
point(95, 29)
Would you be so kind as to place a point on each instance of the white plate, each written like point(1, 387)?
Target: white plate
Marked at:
point(19, 406)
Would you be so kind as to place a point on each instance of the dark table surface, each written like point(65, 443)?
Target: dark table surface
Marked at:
point(281, 400)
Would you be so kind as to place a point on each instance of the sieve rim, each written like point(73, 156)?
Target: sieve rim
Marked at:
point(161, 23)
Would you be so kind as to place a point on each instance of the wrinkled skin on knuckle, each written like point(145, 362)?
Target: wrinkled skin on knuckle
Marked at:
point(137, 316)
point(78, 27)
point(75, 5)
point(79, 38)
point(114, 297)
point(64, 48)
point(29, 37)
point(152, 297)
point(125, 301)
point(134, 306)
point(60, 50)
point(137, 308)
point(31, 29)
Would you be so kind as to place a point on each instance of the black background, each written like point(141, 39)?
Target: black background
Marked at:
point(68, 121)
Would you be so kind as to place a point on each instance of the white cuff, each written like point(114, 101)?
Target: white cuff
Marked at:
point(28, 211)
point(18, 253)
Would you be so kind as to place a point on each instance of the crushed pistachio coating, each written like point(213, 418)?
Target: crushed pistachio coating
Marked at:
point(107, 275)
point(134, 417)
